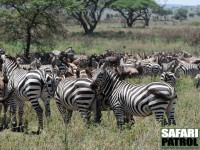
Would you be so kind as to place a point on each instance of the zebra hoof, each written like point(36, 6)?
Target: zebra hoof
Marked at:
point(20, 128)
point(1, 128)
point(14, 127)
point(38, 132)
point(172, 122)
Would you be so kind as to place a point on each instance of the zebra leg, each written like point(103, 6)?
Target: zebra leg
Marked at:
point(1, 123)
point(20, 114)
point(85, 114)
point(96, 108)
point(170, 112)
point(69, 115)
point(119, 114)
point(158, 108)
point(5, 125)
point(47, 108)
point(63, 112)
point(13, 109)
point(35, 104)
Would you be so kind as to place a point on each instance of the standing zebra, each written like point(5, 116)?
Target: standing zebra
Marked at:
point(75, 94)
point(151, 69)
point(137, 100)
point(26, 85)
point(188, 69)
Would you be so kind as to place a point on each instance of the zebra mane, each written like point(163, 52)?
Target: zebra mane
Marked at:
point(113, 73)
point(11, 58)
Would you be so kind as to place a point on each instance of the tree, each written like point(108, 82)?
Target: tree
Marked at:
point(133, 10)
point(163, 12)
point(32, 22)
point(181, 14)
point(88, 12)
point(198, 13)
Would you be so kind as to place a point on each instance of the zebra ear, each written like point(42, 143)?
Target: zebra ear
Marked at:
point(3, 57)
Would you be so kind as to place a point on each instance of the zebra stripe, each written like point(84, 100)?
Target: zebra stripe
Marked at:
point(75, 94)
point(188, 69)
point(138, 100)
point(25, 85)
point(169, 78)
point(151, 69)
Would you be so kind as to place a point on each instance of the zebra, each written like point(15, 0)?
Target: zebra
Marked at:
point(26, 85)
point(188, 69)
point(57, 64)
point(169, 78)
point(136, 100)
point(75, 94)
point(151, 69)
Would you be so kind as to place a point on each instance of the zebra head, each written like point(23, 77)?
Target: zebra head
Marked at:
point(99, 76)
point(168, 77)
point(9, 65)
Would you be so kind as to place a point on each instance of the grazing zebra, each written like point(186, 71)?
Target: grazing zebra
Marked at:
point(75, 94)
point(137, 100)
point(169, 78)
point(26, 85)
point(151, 69)
point(188, 69)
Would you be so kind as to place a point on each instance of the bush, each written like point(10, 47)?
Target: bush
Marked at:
point(181, 14)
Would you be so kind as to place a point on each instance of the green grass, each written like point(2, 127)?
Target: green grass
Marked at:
point(145, 134)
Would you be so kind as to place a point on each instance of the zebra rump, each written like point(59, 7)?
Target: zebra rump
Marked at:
point(75, 94)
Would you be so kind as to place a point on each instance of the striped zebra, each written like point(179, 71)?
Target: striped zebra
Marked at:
point(136, 100)
point(188, 69)
point(75, 94)
point(151, 69)
point(61, 67)
point(26, 85)
point(169, 78)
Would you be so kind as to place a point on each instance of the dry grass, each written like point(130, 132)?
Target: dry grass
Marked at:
point(146, 132)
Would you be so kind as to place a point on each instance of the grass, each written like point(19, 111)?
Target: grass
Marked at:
point(145, 134)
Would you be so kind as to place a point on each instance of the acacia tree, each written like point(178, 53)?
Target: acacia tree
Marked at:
point(32, 22)
point(133, 10)
point(163, 12)
point(88, 12)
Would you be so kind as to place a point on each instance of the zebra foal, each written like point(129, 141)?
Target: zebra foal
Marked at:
point(136, 100)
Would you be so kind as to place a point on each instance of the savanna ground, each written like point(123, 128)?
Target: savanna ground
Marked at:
point(145, 134)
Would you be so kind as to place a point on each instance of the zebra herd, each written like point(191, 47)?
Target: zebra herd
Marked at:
point(103, 88)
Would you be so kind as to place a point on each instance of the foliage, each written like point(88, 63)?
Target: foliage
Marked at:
point(32, 22)
point(88, 12)
point(191, 14)
point(163, 12)
point(181, 14)
point(134, 10)
point(198, 13)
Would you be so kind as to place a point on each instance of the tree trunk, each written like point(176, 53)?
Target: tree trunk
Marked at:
point(146, 22)
point(90, 29)
point(28, 43)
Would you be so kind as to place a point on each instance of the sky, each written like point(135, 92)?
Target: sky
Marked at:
point(182, 2)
